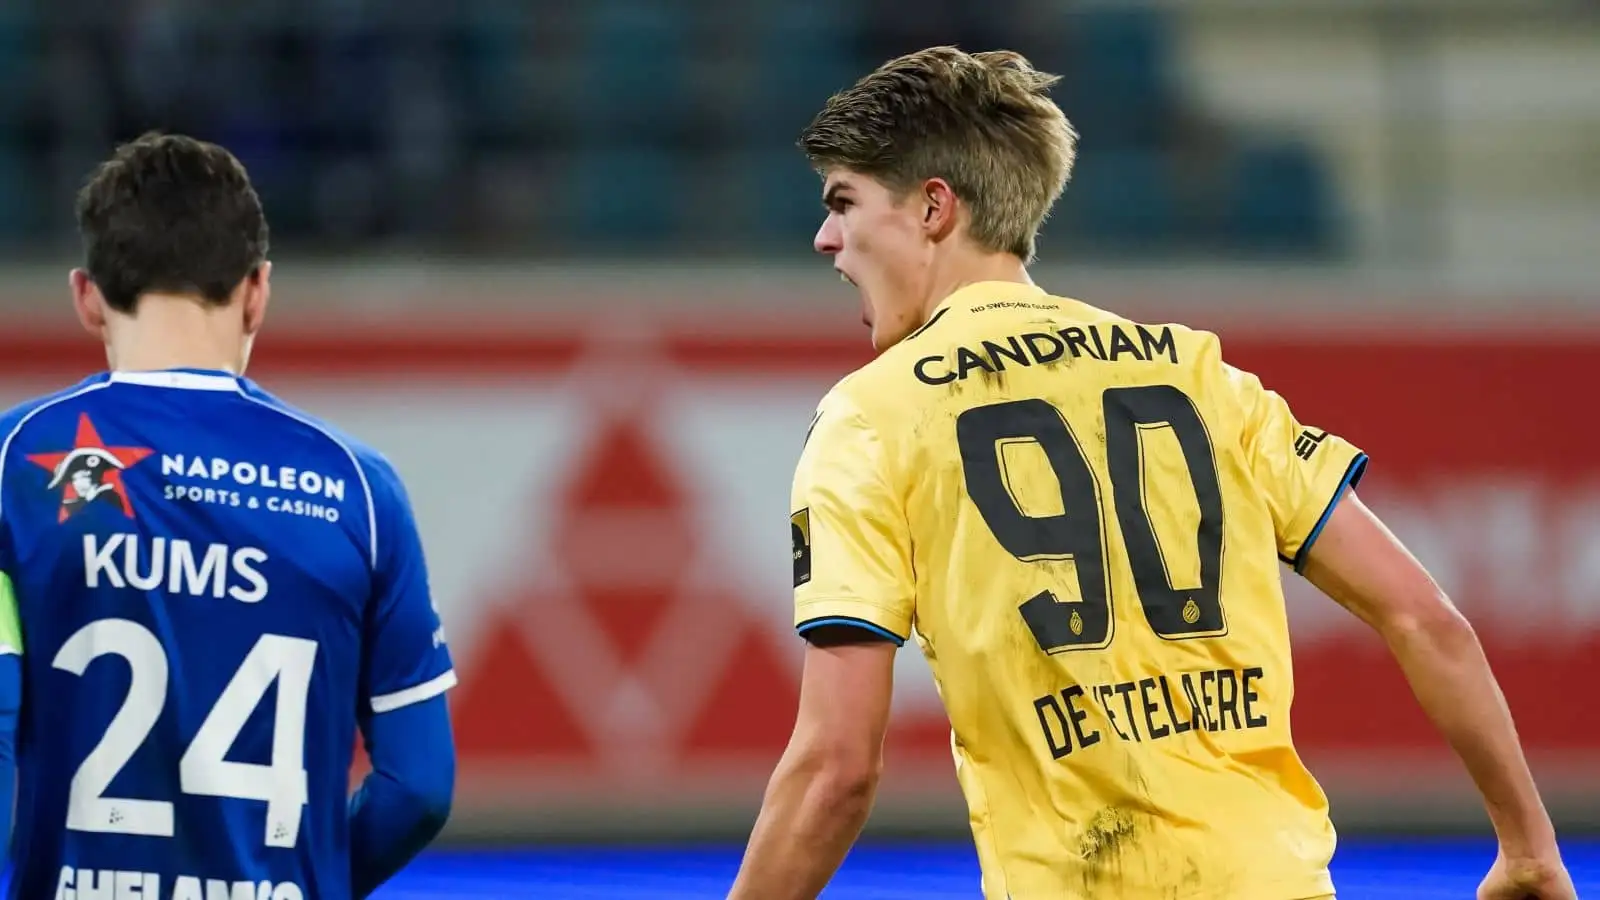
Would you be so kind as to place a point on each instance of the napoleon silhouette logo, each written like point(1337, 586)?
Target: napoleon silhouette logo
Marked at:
point(90, 473)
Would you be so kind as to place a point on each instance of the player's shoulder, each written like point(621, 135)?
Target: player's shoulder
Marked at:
point(1193, 344)
point(843, 401)
point(15, 419)
point(374, 466)
point(883, 384)
point(1112, 336)
point(854, 414)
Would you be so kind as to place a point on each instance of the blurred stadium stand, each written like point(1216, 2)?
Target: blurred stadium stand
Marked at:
point(554, 258)
point(369, 121)
point(1411, 132)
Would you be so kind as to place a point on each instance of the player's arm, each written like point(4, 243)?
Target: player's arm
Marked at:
point(1308, 478)
point(405, 800)
point(853, 606)
point(406, 670)
point(1362, 565)
point(822, 790)
point(11, 649)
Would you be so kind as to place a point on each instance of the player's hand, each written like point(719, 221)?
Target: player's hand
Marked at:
point(1543, 878)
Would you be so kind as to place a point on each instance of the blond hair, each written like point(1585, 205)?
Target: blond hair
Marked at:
point(984, 122)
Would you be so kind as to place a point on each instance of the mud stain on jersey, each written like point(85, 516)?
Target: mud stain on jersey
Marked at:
point(1108, 833)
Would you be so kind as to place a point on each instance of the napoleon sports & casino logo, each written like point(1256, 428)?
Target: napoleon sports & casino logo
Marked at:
point(90, 473)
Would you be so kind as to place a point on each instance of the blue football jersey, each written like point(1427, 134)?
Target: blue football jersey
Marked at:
point(212, 588)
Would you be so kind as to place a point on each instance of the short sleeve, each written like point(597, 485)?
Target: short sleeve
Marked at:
point(1301, 470)
point(852, 544)
point(405, 657)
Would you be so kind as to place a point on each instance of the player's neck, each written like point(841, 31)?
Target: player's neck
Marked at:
point(175, 333)
point(974, 268)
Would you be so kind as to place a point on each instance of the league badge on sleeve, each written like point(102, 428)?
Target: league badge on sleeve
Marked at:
point(800, 537)
point(1308, 442)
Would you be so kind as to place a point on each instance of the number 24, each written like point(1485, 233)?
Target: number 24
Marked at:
point(204, 769)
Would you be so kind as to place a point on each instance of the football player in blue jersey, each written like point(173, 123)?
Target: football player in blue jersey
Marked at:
point(205, 592)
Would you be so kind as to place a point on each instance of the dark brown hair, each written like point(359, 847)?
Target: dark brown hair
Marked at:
point(172, 214)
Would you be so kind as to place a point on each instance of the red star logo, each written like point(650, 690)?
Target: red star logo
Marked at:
point(90, 471)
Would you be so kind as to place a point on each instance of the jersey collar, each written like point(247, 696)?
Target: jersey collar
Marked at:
point(180, 379)
point(990, 291)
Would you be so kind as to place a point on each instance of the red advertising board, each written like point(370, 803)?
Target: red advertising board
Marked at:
point(605, 518)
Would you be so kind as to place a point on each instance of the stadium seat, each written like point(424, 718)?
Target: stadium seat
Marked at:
point(1118, 87)
point(1121, 201)
point(279, 159)
point(631, 73)
point(348, 66)
point(19, 64)
point(17, 189)
point(800, 55)
point(622, 196)
point(781, 198)
point(1277, 200)
point(495, 38)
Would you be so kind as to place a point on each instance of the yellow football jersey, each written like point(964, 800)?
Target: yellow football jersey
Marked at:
point(1081, 519)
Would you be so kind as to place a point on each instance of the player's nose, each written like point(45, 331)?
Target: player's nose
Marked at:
point(828, 240)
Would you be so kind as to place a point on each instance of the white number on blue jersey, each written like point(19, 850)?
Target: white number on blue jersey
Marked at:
point(88, 809)
point(204, 769)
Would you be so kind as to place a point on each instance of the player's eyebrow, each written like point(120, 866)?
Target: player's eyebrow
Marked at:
point(833, 192)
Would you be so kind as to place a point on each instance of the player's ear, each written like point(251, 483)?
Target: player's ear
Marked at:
point(939, 208)
point(88, 303)
point(257, 293)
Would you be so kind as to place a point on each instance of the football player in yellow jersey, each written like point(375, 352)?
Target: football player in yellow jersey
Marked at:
point(1080, 518)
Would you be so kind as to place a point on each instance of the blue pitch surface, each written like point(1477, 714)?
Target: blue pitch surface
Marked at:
point(1364, 869)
